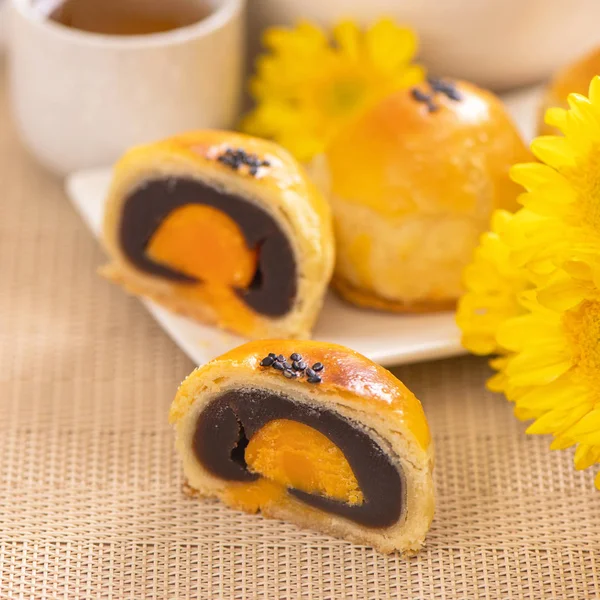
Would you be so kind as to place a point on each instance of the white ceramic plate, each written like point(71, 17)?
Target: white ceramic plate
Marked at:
point(388, 339)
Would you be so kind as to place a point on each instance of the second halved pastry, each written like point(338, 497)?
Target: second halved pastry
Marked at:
point(223, 228)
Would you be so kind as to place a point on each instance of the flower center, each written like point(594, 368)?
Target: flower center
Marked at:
point(582, 329)
point(345, 96)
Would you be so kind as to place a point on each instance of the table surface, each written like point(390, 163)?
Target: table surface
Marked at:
point(91, 503)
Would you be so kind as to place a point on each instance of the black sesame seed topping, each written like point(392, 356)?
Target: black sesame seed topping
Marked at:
point(448, 88)
point(297, 368)
point(424, 98)
point(238, 157)
point(420, 95)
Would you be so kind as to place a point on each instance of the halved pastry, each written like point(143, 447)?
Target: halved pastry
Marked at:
point(312, 433)
point(413, 182)
point(224, 228)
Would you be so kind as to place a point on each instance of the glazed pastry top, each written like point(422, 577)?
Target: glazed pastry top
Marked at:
point(276, 170)
point(345, 373)
point(436, 147)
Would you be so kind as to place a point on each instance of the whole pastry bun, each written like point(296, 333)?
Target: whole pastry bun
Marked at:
point(412, 183)
point(574, 78)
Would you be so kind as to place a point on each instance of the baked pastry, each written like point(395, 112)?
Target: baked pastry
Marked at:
point(412, 183)
point(224, 228)
point(573, 79)
point(312, 433)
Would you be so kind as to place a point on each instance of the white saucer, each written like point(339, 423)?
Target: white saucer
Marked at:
point(389, 339)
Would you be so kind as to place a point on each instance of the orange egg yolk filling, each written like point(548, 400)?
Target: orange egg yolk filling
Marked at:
point(204, 243)
point(289, 454)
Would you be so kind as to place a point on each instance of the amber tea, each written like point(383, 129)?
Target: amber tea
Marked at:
point(125, 17)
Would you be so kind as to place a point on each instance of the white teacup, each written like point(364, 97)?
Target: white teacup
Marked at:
point(81, 99)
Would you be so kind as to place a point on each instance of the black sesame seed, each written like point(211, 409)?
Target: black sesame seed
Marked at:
point(289, 374)
point(296, 356)
point(273, 355)
point(317, 366)
point(448, 88)
point(298, 365)
point(237, 157)
point(453, 95)
point(310, 373)
point(315, 379)
point(267, 361)
point(278, 366)
point(420, 95)
point(280, 358)
point(226, 160)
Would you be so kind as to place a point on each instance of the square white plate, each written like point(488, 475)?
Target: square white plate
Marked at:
point(386, 338)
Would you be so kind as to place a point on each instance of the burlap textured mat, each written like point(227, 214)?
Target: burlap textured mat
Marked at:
point(90, 488)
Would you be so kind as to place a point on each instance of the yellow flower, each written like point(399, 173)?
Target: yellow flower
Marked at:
point(533, 289)
point(492, 285)
point(553, 373)
point(563, 195)
point(307, 86)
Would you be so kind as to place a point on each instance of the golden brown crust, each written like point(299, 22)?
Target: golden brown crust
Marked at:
point(282, 189)
point(412, 189)
point(574, 78)
point(352, 386)
point(347, 372)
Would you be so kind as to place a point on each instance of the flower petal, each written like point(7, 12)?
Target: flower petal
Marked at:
point(557, 420)
point(556, 117)
point(535, 368)
point(348, 38)
point(553, 150)
point(587, 429)
point(389, 46)
point(586, 456)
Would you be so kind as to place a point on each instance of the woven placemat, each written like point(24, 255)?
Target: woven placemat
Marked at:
point(90, 497)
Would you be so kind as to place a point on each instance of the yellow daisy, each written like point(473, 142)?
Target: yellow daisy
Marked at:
point(492, 285)
point(552, 374)
point(563, 195)
point(307, 86)
point(536, 280)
